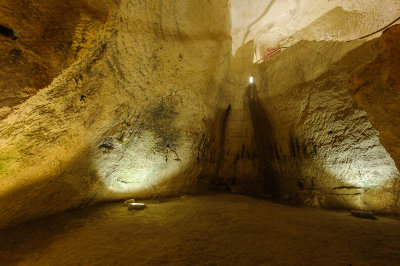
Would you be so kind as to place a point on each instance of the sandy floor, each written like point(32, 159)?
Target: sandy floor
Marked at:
point(221, 229)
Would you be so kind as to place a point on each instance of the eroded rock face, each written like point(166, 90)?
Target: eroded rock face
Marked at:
point(283, 23)
point(41, 38)
point(131, 114)
point(329, 153)
point(298, 134)
point(156, 105)
point(376, 88)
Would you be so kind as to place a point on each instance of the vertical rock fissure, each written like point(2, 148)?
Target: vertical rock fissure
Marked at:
point(221, 150)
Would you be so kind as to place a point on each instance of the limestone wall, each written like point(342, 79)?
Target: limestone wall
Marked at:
point(376, 88)
point(271, 23)
point(156, 104)
point(47, 37)
point(126, 119)
point(297, 133)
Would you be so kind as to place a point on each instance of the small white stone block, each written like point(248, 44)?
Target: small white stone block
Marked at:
point(136, 206)
point(128, 202)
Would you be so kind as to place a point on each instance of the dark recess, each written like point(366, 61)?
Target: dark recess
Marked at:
point(7, 32)
point(222, 138)
point(265, 149)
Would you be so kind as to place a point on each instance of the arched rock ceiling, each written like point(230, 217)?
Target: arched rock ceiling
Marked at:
point(272, 23)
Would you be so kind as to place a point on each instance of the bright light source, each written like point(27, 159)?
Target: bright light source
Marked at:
point(251, 80)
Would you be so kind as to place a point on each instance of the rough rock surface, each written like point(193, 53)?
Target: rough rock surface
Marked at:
point(376, 88)
point(272, 23)
point(223, 229)
point(155, 104)
point(133, 112)
point(325, 144)
point(298, 134)
point(45, 37)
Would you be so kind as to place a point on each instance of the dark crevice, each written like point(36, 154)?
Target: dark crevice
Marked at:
point(346, 187)
point(7, 32)
point(343, 194)
point(222, 138)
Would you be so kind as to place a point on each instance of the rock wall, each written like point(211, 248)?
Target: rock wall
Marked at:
point(376, 88)
point(156, 105)
point(230, 154)
point(329, 153)
point(282, 23)
point(297, 133)
point(41, 38)
point(130, 117)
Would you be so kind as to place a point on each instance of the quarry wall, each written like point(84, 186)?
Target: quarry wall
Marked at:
point(128, 118)
point(156, 104)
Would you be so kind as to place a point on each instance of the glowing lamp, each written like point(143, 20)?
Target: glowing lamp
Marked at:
point(251, 80)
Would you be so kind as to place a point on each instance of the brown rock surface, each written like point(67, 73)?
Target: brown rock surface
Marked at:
point(148, 101)
point(127, 118)
point(376, 88)
point(48, 35)
point(222, 229)
point(298, 134)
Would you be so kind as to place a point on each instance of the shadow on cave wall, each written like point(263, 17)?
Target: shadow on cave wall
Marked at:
point(289, 168)
point(264, 144)
point(240, 145)
point(299, 166)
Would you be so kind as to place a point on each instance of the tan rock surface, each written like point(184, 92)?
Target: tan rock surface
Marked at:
point(125, 118)
point(49, 35)
point(151, 102)
point(272, 23)
point(376, 88)
point(298, 134)
point(327, 146)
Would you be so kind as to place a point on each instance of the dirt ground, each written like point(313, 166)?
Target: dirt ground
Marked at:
point(215, 229)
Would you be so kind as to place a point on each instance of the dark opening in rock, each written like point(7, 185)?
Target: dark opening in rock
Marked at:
point(7, 32)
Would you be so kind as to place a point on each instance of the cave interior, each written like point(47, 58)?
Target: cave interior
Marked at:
point(191, 132)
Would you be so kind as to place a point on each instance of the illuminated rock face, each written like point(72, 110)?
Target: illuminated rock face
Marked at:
point(325, 149)
point(272, 23)
point(155, 104)
point(376, 88)
point(298, 134)
point(132, 113)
